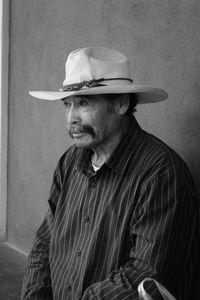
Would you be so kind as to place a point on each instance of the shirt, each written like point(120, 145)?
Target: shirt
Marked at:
point(106, 231)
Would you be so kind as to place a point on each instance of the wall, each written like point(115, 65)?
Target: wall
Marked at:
point(163, 43)
point(4, 36)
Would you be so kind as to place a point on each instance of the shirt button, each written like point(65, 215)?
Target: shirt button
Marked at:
point(69, 287)
point(87, 219)
point(93, 184)
point(79, 252)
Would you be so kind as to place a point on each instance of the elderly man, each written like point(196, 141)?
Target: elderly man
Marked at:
point(122, 205)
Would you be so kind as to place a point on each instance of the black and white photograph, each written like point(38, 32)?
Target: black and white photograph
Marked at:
point(100, 150)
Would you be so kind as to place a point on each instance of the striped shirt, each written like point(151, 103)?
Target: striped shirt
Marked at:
point(106, 231)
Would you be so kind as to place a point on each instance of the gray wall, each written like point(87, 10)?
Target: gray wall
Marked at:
point(162, 39)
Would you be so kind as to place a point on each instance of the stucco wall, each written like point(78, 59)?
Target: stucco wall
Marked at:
point(162, 39)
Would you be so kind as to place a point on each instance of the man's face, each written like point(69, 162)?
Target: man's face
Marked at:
point(91, 120)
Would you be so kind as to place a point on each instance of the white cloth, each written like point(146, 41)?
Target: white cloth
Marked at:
point(143, 295)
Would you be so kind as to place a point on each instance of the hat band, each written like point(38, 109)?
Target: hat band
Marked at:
point(89, 84)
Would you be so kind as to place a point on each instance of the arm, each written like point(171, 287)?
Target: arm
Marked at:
point(162, 231)
point(37, 278)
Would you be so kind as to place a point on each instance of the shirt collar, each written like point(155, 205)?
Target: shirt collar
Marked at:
point(84, 162)
point(120, 156)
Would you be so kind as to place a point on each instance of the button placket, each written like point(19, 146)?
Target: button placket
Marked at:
point(92, 181)
point(86, 219)
point(79, 252)
point(68, 287)
point(93, 184)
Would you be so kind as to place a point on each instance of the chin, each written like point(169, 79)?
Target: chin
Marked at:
point(84, 144)
point(81, 145)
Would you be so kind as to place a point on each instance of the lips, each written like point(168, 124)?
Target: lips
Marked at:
point(77, 135)
point(77, 131)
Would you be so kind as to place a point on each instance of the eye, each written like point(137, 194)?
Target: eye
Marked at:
point(83, 102)
point(66, 103)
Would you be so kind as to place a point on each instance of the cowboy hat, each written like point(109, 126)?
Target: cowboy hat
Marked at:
point(100, 70)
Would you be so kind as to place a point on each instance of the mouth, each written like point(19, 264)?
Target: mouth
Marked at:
point(80, 131)
point(78, 134)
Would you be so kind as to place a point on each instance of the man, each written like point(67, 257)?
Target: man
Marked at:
point(122, 206)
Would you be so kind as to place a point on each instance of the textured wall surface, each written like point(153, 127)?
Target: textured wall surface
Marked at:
point(162, 40)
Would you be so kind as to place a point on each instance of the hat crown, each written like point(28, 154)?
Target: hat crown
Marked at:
point(94, 63)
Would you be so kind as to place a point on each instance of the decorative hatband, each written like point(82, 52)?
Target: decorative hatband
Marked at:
point(88, 84)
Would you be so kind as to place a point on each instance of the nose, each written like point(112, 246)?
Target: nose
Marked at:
point(72, 115)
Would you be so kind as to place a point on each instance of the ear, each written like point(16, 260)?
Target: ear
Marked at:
point(124, 103)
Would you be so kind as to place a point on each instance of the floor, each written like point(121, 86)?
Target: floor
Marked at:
point(12, 265)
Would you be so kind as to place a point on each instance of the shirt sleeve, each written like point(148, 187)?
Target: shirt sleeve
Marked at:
point(163, 229)
point(37, 279)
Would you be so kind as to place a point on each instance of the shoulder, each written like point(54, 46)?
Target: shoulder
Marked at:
point(162, 166)
point(158, 159)
point(68, 155)
point(69, 159)
point(157, 150)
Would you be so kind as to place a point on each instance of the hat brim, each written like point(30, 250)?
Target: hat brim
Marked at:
point(145, 94)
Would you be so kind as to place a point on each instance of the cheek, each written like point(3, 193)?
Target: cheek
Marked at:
point(88, 116)
point(98, 120)
point(100, 127)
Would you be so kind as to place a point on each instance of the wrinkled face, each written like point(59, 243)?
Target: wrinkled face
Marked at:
point(91, 120)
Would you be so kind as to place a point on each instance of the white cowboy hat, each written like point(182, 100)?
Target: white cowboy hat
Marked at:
point(99, 70)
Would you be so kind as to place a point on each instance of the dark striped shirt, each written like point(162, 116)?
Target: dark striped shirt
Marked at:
point(106, 231)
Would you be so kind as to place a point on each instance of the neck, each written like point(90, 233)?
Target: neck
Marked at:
point(103, 152)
